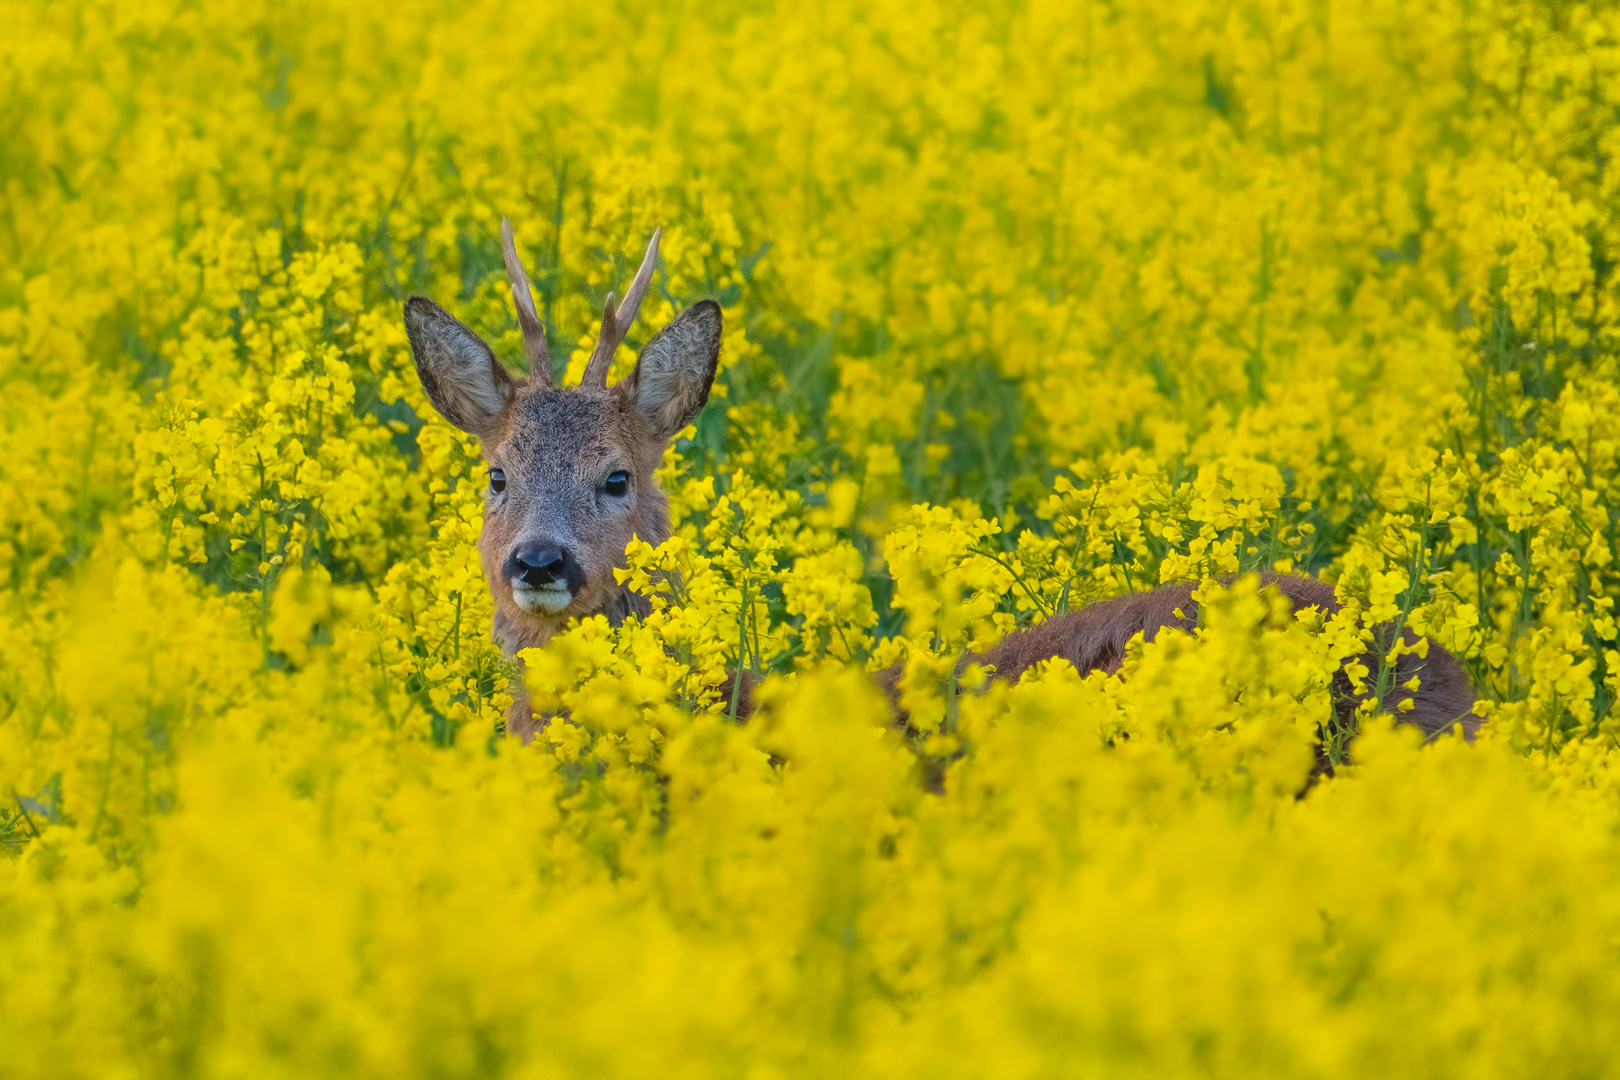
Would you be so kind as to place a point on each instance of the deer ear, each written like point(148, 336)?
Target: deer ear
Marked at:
point(462, 378)
point(676, 368)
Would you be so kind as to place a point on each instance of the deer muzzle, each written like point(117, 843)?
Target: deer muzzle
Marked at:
point(544, 577)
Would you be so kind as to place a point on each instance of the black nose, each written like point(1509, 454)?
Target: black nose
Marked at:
point(539, 565)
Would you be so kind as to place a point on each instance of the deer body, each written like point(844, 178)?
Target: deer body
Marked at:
point(1095, 638)
point(571, 483)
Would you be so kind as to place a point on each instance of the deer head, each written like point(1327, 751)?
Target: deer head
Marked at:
point(570, 469)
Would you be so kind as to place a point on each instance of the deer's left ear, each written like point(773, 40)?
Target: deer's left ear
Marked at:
point(676, 368)
point(462, 378)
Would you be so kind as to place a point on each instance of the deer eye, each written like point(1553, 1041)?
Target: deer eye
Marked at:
point(617, 483)
point(497, 481)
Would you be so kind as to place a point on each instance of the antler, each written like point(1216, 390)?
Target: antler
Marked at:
point(616, 320)
point(534, 335)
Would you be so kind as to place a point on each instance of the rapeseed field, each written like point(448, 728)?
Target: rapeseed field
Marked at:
point(1027, 305)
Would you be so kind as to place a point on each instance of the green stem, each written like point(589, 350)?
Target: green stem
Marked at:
point(106, 782)
point(742, 645)
point(27, 818)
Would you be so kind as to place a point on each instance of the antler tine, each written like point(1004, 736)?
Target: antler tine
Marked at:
point(534, 335)
point(617, 319)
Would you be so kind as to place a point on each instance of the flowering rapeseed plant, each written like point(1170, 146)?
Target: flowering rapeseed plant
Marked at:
point(1027, 306)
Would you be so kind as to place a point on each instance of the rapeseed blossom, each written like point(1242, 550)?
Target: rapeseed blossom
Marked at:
point(1026, 306)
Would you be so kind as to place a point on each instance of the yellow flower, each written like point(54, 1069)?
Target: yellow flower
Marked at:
point(1026, 306)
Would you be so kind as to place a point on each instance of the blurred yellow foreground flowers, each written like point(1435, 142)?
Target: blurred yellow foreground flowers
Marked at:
point(1027, 305)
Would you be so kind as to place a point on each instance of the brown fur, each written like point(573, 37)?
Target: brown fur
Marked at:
point(552, 445)
point(555, 447)
point(459, 371)
point(1095, 638)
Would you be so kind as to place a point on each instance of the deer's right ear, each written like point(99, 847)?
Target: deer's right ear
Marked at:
point(676, 368)
point(462, 378)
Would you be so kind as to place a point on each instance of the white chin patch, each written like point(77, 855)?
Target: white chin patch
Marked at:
point(547, 601)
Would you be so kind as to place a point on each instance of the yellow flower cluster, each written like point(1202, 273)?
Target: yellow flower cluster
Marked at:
point(1027, 305)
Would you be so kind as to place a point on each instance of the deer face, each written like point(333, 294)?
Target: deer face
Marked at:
point(570, 482)
point(570, 469)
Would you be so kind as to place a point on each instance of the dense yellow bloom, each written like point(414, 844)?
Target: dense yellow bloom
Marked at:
point(1026, 306)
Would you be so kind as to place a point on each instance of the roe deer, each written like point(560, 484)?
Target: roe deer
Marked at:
point(1095, 637)
point(570, 471)
point(571, 482)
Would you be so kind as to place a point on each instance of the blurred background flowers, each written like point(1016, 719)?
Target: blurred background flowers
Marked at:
point(1027, 305)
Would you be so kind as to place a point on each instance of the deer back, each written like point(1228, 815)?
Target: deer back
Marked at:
point(1095, 638)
